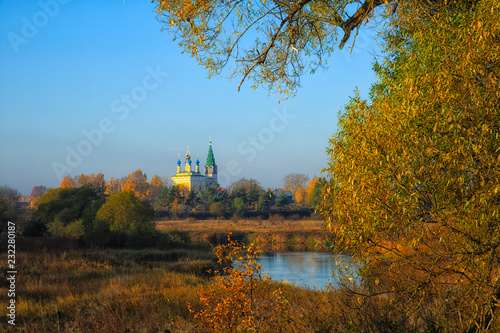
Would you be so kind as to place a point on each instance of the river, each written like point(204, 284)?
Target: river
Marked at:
point(303, 269)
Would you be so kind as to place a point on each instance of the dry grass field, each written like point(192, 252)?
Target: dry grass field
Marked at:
point(247, 226)
point(273, 235)
point(120, 291)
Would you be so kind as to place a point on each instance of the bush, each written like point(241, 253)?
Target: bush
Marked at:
point(240, 299)
point(72, 230)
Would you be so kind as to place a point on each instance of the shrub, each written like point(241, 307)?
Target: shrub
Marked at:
point(240, 299)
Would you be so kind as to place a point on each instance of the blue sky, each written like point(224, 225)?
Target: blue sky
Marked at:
point(67, 68)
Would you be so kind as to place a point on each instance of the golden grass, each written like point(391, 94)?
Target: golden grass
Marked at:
point(115, 291)
point(95, 292)
point(247, 226)
point(98, 292)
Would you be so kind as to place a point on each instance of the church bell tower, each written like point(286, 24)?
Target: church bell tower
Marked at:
point(210, 166)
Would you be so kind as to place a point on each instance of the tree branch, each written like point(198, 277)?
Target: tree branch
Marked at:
point(354, 21)
point(261, 57)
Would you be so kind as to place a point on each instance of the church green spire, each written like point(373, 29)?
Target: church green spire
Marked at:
point(210, 156)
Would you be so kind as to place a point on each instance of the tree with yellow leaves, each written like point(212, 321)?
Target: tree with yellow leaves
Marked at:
point(155, 187)
point(296, 183)
point(414, 191)
point(240, 299)
point(114, 185)
point(96, 181)
point(67, 182)
point(313, 192)
point(272, 42)
point(137, 182)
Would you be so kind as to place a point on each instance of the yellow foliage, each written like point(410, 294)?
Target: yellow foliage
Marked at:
point(137, 183)
point(67, 182)
point(239, 299)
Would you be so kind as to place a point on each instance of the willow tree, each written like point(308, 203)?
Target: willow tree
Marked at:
point(415, 171)
point(273, 42)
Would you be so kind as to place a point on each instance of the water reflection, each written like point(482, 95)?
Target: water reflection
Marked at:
point(303, 269)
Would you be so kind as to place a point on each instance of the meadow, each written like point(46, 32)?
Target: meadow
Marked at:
point(136, 291)
point(275, 234)
point(275, 223)
point(188, 287)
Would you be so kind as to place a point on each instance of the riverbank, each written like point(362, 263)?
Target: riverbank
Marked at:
point(273, 235)
point(136, 291)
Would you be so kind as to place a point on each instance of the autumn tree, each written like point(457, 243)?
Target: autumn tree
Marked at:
point(415, 172)
point(35, 195)
point(67, 182)
point(38, 191)
point(313, 192)
point(96, 181)
point(137, 182)
point(155, 187)
point(271, 42)
point(311, 185)
point(114, 185)
point(82, 180)
point(240, 298)
point(296, 183)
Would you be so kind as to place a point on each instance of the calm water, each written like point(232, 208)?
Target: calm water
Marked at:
point(303, 269)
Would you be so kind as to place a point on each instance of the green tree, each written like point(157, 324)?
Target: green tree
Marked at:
point(217, 209)
point(249, 190)
point(125, 214)
point(415, 172)
point(253, 194)
point(315, 196)
point(192, 200)
point(266, 201)
point(168, 196)
point(210, 194)
point(239, 207)
point(65, 206)
point(282, 200)
point(74, 229)
point(239, 192)
point(49, 195)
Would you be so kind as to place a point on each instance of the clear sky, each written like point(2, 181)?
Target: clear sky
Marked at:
point(67, 67)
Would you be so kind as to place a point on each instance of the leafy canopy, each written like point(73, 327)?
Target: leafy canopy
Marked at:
point(124, 213)
point(273, 42)
point(415, 173)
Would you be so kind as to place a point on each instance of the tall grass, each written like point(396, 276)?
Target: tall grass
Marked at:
point(153, 290)
point(138, 291)
point(108, 291)
point(274, 224)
